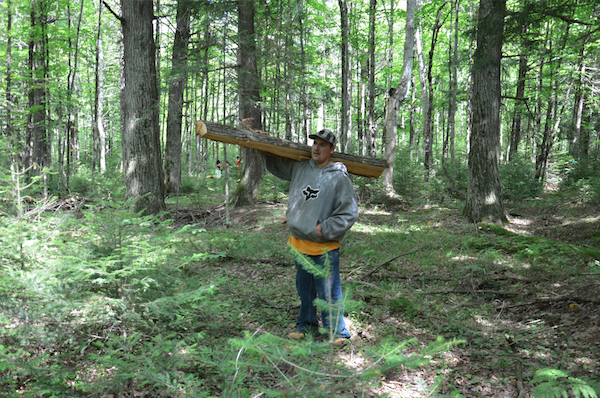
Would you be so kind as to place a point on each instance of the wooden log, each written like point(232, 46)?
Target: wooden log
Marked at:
point(358, 165)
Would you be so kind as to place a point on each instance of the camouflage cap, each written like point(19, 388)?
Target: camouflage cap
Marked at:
point(325, 134)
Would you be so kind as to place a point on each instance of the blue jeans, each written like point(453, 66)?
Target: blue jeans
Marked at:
point(310, 286)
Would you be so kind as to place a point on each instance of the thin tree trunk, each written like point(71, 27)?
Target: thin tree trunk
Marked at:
point(427, 117)
point(453, 84)
point(38, 145)
point(346, 115)
point(363, 73)
point(515, 139)
point(577, 145)
point(71, 125)
point(99, 155)
point(422, 79)
point(12, 140)
point(175, 100)
point(371, 138)
point(304, 94)
point(397, 97)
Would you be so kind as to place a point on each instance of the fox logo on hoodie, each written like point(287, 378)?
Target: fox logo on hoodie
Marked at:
point(310, 193)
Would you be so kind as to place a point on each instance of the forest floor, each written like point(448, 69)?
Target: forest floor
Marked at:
point(523, 297)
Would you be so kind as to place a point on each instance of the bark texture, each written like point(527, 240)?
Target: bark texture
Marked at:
point(484, 194)
point(397, 97)
point(362, 166)
point(142, 164)
point(248, 82)
point(176, 88)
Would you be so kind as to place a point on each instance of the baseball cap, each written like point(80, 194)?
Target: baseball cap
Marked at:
point(325, 134)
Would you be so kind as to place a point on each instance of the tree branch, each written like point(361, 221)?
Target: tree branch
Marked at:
point(111, 11)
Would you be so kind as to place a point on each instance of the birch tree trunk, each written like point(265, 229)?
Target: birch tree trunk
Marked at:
point(397, 97)
point(371, 138)
point(484, 194)
point(98, 132)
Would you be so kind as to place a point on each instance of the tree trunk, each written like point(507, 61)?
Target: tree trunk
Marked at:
point(397, 97)
point(484, 194)
point(142, 164)
point(304, 94)
point(345, 118)
point(249, 87)
point(453, 85)
point(98, 132)
point(515, 138)
point(12, 140)
point(362, 100)
point(422, 81)
point(576, 143)
point(427, 122)
point(371, 138)
point(175, 102)
point(38, 145)
point(71, 130)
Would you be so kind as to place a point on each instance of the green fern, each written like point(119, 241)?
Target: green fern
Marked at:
point(556, 383)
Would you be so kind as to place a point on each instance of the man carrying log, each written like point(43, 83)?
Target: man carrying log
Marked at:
point(322, 207)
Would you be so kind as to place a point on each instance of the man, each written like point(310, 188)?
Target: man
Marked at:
point(322, 207)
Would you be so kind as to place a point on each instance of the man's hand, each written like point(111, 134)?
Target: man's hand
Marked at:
point(319, 233)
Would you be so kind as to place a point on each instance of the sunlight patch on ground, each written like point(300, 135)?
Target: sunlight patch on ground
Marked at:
point(376, 211)
point(518, 225)
point(583, 220)
point(371, 229)
point(463, 258)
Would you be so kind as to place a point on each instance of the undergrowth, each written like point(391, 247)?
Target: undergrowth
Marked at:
point(103, 301)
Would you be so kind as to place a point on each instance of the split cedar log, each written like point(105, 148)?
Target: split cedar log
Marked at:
point(358, 165)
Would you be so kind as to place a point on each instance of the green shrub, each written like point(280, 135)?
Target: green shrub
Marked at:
point(555, 383)
point(408, 175)
point(517, 179)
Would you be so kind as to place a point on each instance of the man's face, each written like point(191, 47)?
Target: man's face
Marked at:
point(321, 152)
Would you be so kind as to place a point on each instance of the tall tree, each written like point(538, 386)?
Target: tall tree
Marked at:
point(578, 148)
point(71, 126)
point(371, 134)
point(515, 137)
point(249, 102)
point(142, 164)
point(9, 95)
point(98, 131)
point(484, 194)
point(397, 96)
point(345, 44)
point(427, 117)
point(453, 82)
point(175, 102)
point(37, 141)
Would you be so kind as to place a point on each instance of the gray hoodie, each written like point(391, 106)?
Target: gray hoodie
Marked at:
point(317, 195)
